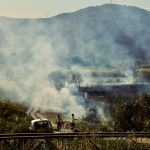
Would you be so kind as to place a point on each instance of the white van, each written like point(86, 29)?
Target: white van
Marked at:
point(41, 125)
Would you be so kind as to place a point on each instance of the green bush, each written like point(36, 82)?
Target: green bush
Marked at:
point(12, 117)
point(133, 114)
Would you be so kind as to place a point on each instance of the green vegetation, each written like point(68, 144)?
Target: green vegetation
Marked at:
point(127, 114)
point(132, 114)
point(13, 118)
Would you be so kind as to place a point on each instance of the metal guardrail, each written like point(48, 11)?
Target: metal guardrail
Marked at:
point(73, 141)
point(75, 134)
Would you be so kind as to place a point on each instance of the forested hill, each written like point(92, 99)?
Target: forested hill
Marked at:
point(96, 36)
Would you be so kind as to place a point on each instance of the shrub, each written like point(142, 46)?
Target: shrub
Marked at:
point(12, 117)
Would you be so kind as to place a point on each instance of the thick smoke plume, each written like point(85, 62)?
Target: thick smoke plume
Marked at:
point(87, 41)
point(27, 57)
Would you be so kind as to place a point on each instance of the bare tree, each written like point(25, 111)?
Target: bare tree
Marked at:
point(75, 78)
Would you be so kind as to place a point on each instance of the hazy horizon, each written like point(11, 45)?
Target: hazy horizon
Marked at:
point(49, 8)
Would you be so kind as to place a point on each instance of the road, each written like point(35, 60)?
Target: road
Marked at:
point(52, 118)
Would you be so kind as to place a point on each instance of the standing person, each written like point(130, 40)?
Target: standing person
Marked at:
point(72, 122)
point(59, 122)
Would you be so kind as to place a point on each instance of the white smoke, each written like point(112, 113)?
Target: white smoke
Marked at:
point(49, 99)
point(32, 49)
point(28, 58)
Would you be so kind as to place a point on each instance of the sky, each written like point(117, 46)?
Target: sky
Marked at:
point(48, 8)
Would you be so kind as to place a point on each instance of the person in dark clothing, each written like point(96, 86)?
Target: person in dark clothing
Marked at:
point(59, 122)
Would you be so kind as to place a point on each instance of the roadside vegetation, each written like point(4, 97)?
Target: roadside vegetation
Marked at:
point(13, 117)
point(126, 115)
point(132, 114)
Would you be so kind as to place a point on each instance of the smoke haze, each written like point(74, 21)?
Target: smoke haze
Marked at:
point(108, 36)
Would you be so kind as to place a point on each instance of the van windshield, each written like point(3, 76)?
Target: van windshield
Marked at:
point(42, 124)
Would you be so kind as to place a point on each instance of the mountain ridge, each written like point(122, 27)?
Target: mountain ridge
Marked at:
point(80, 10)
point(106, 21)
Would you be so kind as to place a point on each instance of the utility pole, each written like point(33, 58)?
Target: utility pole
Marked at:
point(110, 1)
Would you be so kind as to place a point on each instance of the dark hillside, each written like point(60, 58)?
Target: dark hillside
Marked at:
point(106, 34)
point(13, 117)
